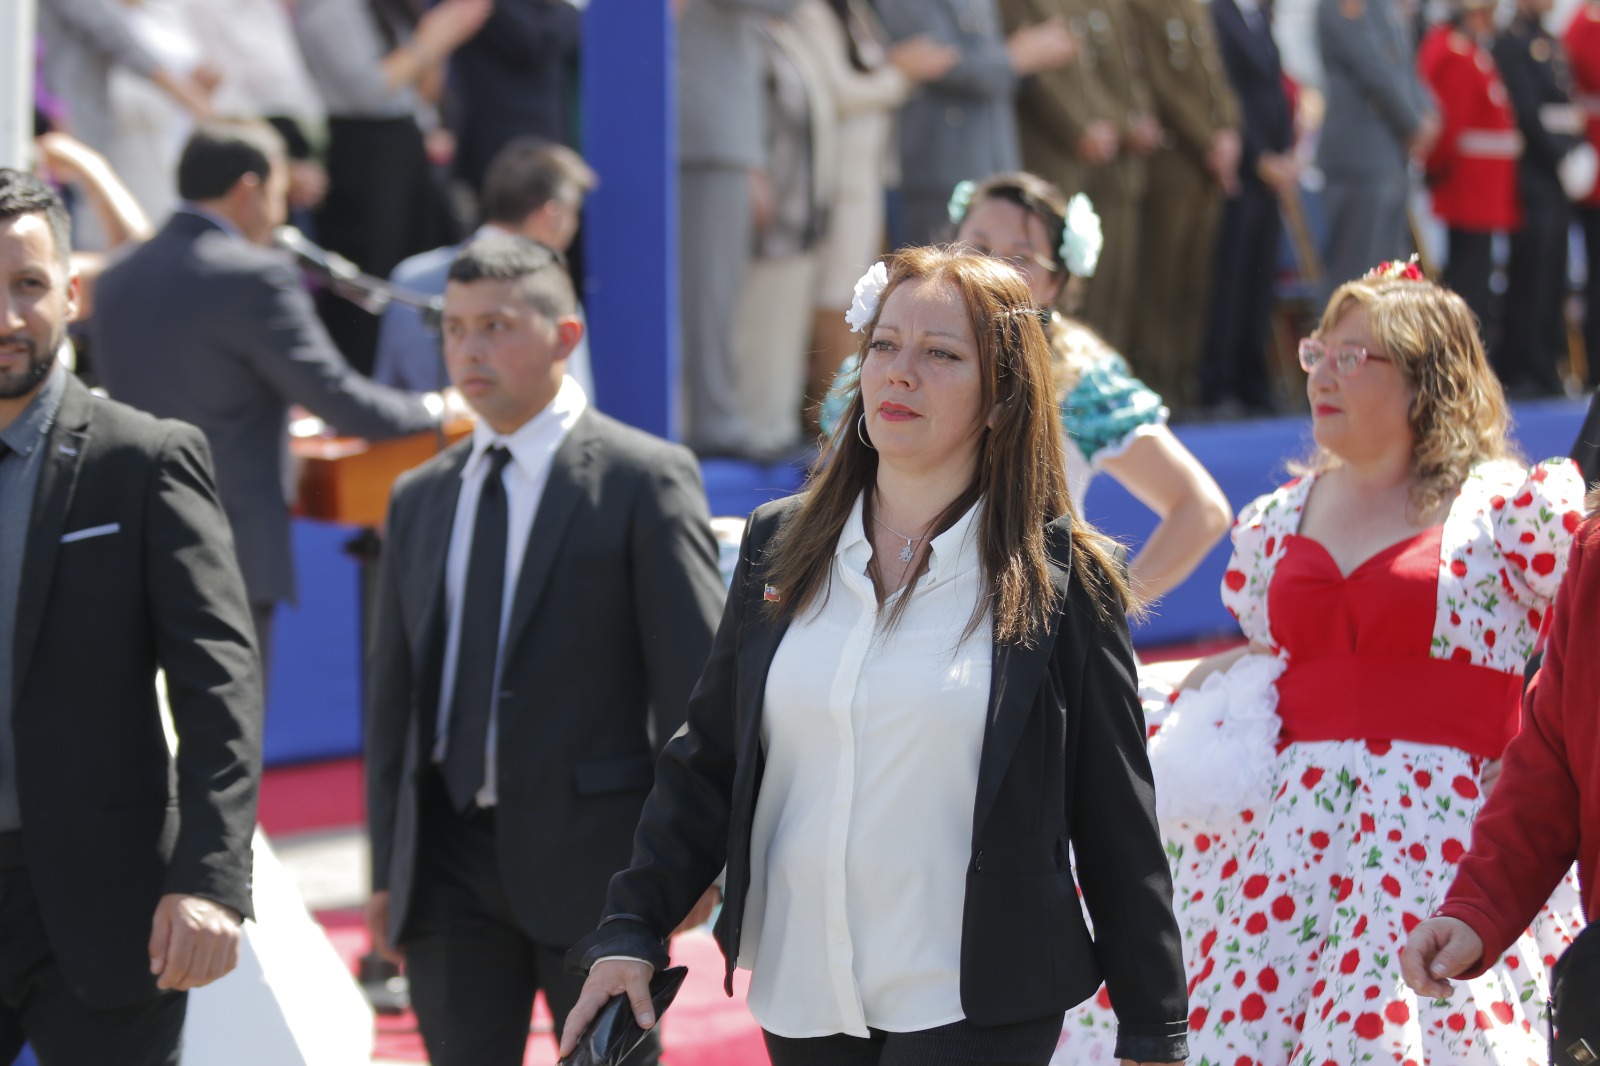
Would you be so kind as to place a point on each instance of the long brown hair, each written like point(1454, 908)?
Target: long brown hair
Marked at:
point(1459, 417)
point(1020, 484)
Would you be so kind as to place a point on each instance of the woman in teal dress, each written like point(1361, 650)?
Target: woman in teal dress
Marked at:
point(1111, 421)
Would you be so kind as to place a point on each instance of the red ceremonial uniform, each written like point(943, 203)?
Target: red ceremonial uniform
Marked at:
point(1472, 171)
point(1583, 59)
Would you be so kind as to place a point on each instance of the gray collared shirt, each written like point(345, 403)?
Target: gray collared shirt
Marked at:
point(20, 463)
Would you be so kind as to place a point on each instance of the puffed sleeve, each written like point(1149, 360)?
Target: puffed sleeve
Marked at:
point(1109, 409)
point(1256, 546)
point(834, 405)
point(1534, 528)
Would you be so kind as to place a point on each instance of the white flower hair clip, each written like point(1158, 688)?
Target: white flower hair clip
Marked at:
point(960, 200)
point(869, 291)
point(1081, 239)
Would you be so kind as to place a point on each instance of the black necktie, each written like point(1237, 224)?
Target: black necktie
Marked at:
point(479, 643)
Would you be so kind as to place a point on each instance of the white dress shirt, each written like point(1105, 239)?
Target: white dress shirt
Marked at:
point(863, 828)
point(533, 447)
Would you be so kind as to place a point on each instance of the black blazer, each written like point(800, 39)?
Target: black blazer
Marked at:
point(514, 80)
point(202, 325)
point(1063, 765)
point(612, 618)
point(110, 821)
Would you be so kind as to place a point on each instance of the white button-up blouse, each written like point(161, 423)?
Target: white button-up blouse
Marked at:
point(863, 827)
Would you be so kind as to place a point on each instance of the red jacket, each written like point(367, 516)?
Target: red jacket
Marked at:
point(1583, 58)
point(1472, 171)
point(1545, 809)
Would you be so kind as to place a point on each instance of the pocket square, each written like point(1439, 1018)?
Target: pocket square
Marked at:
point(614, 1033)
point(93, 531)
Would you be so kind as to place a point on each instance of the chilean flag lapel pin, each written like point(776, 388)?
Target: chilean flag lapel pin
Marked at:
point(770, 594)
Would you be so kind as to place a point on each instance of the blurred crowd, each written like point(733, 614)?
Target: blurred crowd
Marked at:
point(815, 134)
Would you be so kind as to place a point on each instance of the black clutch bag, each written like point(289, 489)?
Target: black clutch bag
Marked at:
point(1575, 1002)
point(614, 1033)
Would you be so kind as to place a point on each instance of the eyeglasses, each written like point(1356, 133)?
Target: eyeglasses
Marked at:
point(1347, 358)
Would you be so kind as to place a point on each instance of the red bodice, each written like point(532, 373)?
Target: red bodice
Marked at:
point(1360, 653)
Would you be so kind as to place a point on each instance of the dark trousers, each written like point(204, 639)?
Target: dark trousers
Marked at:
point(473, 972)
point(1535, 324)
point(1234, 364)
point(1467, 274)
point(957, 1044)
point(38, 1006)
point(1589, 217)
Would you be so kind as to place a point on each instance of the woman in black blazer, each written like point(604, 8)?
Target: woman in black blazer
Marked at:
point(920, 703)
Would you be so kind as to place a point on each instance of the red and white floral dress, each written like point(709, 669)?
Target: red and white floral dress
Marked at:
point(1402, 679)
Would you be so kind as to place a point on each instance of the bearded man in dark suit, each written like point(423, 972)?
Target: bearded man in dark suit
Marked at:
point(124, 870)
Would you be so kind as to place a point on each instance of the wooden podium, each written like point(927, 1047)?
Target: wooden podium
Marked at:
point(347, 479)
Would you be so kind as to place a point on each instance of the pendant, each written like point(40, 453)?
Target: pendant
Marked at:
point(905, 553)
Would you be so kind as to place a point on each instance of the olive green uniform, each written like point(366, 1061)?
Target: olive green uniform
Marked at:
point(1183, 201)
point(1106, 82)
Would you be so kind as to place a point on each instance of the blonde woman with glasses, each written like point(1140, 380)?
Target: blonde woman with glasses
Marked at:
point(1399, 585)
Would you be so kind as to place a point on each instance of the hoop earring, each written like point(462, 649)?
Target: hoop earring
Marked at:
point(860, 422)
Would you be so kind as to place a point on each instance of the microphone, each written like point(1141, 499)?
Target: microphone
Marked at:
point(330, 264)
point(347, 280)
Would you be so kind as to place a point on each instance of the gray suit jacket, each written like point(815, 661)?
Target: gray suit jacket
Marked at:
point(719, 87)
point(611, 621)
point(963, 126)
point(201, 325)
point(1375, 101)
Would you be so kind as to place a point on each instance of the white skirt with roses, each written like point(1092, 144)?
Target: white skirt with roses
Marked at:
point(1293, 919)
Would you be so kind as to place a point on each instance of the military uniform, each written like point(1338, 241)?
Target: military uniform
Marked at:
point(1472, 170)
point(1583, 56)
point(1183, 201)
point(1534, 68)
point(1105, 83)
point(1375, 105)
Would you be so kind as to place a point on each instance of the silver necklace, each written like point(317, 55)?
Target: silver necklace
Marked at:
point(906, 554)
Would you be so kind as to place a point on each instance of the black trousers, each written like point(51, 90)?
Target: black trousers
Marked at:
point(39, 1007)
point(1467, 273)
point(961, 1043)
point(1234, 365)
point(473, 972)
point(1535, 335)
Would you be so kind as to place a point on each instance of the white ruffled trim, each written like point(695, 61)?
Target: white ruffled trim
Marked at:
point(1118, 448)
point(1215, 755)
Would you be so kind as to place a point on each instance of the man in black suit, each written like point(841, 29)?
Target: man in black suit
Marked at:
point(124, 872)
point(208, 324)
point(1233, 370)
point(546, 601)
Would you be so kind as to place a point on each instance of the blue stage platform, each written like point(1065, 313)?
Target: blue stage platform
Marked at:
point(314, 706)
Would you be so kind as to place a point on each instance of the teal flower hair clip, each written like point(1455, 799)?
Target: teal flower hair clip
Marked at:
point(1081, 239)
point(960, 200)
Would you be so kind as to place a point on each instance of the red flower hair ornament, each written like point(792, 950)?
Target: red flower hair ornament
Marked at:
point(1395, 270)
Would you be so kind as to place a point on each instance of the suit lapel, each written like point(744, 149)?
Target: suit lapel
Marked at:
point(65, 445)
point(1017, 673)
point(572, 471)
